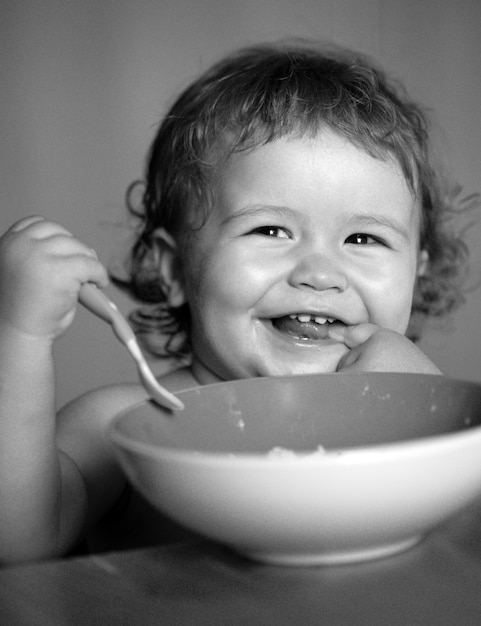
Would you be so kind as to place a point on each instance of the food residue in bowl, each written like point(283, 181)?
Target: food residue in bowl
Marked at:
point(279, 452)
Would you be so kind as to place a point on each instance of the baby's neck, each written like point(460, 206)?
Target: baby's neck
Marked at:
point(202, 374)
point(181, 379)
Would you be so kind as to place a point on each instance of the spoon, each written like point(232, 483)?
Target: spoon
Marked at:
point(97, 302)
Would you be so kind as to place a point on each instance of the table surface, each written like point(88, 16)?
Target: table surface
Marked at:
point(437, 582)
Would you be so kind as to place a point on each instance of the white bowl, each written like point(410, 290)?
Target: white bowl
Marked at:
point(313, 469)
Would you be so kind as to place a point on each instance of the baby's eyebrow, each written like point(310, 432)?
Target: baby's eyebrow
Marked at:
point(274, 212)
point(363, 221)
point(269, 211)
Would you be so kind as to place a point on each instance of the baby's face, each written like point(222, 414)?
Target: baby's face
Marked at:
point(305, 233)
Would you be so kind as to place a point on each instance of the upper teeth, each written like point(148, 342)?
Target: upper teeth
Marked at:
point(318, 319)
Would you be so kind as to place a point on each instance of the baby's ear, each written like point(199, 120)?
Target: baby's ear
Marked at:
point(169, 267)
point(423, 263)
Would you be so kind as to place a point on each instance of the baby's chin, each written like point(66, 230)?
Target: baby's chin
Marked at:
point(254, 366)
point(323, 365)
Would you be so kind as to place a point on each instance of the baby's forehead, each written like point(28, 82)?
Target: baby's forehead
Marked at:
point(295, 169)
point(229, 150)
point(234, 166)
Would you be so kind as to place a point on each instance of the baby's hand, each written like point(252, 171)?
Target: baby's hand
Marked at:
point(375, 349)
point(42, 267)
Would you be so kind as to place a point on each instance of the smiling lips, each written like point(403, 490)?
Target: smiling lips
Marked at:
point(304, 326)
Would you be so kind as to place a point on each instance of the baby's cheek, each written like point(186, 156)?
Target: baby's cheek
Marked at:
point(392, 311)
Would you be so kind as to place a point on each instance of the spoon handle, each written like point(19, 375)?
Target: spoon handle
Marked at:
point(97, 302)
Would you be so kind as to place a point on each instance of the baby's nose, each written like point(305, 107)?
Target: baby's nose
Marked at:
point(318, 271)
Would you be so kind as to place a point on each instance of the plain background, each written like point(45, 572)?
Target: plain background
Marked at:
point(84, 84)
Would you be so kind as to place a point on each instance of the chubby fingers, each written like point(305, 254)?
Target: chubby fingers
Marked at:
point(373, 348)
point(25, 222)
point(37, 227)
point(353, 336)
point(45, 243)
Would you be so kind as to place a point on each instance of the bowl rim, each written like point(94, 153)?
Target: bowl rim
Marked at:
point(360, 455)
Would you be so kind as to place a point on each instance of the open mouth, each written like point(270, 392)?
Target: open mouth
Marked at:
point(305, 327)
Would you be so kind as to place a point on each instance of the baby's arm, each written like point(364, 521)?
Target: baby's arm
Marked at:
point(42, 499)
point(377, 349)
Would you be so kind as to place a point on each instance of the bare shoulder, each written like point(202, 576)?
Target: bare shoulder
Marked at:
point(82, 437)
point(85, 447)
point(84, 421)
point(95, 409)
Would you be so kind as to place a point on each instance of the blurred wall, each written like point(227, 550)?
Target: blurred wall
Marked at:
point(83, 84)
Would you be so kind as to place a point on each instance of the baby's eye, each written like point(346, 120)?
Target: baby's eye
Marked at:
point(271, 231)
point(362, 239)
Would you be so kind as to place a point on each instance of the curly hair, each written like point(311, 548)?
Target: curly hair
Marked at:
point(260, 94)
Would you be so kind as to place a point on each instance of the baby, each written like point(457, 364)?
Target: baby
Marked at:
point(292, 223)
